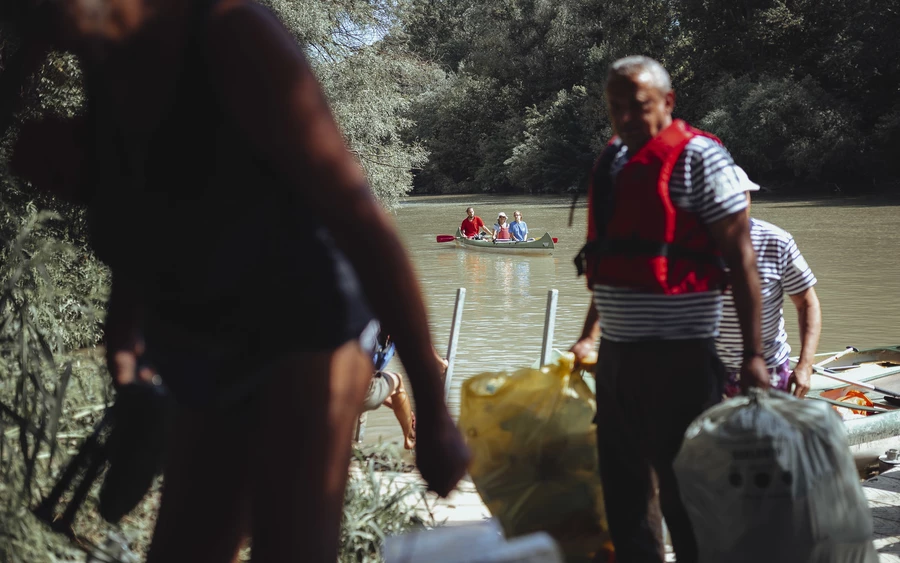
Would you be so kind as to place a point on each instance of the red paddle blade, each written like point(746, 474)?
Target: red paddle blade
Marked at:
point(446, 238)
point(555, 240)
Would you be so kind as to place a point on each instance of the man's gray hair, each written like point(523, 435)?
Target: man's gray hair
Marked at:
point(639, 64)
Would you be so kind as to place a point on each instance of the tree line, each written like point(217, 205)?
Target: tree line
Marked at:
point(456, 96)
point(804, 93)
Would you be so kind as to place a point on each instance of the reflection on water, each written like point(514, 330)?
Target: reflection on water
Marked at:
point(851, 245)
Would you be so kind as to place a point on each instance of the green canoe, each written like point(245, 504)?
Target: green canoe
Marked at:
point(543, 245)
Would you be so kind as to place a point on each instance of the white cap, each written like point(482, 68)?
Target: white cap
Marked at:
point(501, 214)
point(745, 182)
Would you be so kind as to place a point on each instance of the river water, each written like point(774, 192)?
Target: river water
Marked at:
point(851, 243)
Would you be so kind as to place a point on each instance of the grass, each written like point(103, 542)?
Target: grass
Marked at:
point(381, 500)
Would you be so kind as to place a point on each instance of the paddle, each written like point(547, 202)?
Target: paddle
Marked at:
point(849, 405)
point(840, 354)
point(830, 374)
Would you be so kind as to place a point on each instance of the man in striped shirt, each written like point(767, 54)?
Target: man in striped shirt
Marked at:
point(678, 210)
point(782, 269)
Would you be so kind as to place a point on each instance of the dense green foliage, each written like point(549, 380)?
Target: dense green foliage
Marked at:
point(368, 82)
point(801, 91)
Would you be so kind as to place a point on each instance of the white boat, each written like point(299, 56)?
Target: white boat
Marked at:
point(543, 245)
point(870, 436)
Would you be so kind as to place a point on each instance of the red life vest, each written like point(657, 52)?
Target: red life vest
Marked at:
point(637, 238)
point(503, 232)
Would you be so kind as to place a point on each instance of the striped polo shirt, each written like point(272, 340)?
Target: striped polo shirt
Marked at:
point(782, 269)
point(705, 181)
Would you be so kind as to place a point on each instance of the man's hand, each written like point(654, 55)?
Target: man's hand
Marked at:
point(589, 335)
point(124, 369)
point(754, 373)
point(799, 381)
point(583, 349)
point(441, 455)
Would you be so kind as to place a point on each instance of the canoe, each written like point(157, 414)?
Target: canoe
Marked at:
point(543, 245)
point(872, 435)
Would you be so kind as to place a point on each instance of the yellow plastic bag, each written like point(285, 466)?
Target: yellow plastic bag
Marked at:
point(534, 454)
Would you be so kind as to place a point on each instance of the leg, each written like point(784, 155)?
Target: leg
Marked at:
point(629, 490)
point(694, 382)
point(204, 514)
point(399, 403)
point(302, 452)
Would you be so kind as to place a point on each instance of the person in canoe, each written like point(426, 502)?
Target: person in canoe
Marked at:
point(501, 228)
point(472, 226)
point(782, 270)
point(518, 229)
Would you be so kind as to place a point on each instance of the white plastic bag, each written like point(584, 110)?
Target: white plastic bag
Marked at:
point(482, 542)
point(769, 477)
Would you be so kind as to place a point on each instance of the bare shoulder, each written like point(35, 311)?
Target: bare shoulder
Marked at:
point(246, 27)
point(250, 53)
point(243, 8)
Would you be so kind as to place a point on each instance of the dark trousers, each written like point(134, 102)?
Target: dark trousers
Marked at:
point(647, 395)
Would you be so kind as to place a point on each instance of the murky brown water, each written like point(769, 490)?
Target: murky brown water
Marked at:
point(852, 245)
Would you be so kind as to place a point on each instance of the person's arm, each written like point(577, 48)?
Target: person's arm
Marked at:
point(589, 335)
point(122, 333)
point(266, 83)
point(809, 316)
point(732, 235)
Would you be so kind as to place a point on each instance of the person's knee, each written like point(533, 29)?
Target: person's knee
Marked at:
point(396, 382)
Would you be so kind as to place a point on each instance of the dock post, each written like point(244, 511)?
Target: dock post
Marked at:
point(454, 338)
point(549, 322)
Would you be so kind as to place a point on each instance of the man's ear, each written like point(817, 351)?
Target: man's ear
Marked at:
point(670, 100)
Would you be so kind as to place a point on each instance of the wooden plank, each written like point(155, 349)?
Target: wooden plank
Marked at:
point(884, 528)
point(884, 483)
point(883, 497)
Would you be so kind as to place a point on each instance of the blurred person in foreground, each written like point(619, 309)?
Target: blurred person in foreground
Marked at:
point(666, 216)
point(244, 244)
